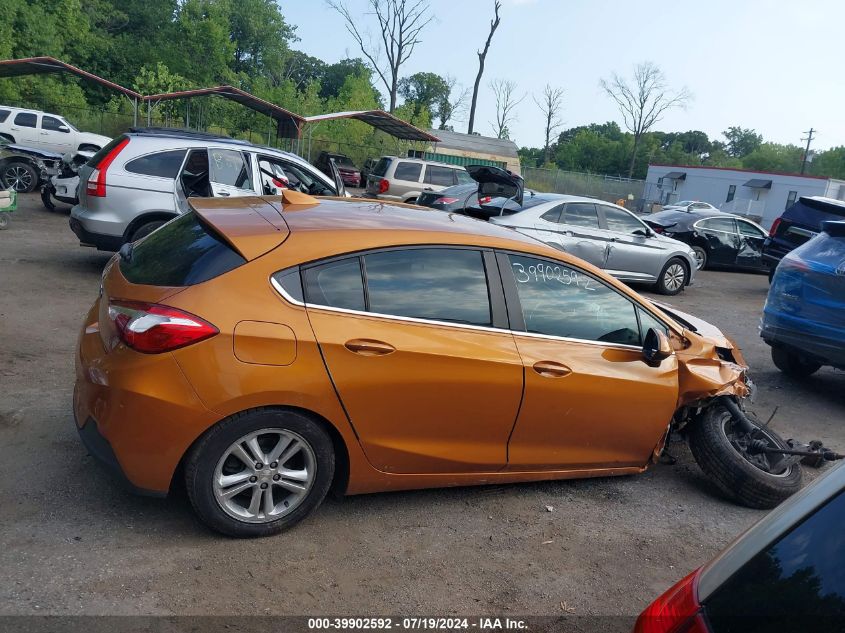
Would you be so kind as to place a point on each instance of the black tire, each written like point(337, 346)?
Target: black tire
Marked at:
point(734, 475)
point(700, 257)
point(792, 363)
point(19, 176)
point(411, 201)
point(202, 462)
point(46, 199)
point(671, 281)
point(145, 229)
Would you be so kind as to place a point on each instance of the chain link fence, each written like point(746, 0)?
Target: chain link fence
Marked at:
point(607, 188)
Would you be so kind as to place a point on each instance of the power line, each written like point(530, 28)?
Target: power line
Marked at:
point(809, 139)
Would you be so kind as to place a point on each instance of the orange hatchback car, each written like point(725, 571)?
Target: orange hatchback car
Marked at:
point(264, 350)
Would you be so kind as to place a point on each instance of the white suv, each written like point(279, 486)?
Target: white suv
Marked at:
point(44, 131)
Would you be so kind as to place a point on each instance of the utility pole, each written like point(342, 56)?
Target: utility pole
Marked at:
point(809, 139)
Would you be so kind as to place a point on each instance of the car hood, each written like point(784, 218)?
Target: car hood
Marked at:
point(94, 139)
point(702, 328)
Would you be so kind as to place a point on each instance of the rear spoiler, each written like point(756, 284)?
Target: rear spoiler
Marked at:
point(834, 228)
point(252, 225)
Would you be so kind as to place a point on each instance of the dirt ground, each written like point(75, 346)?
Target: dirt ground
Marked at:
point(72, 541)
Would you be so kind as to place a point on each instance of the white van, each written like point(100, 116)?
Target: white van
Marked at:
point(50, 132)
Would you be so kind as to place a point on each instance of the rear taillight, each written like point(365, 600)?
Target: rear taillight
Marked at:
point(484, 199)
point(152, 328)
point(96, 185)
point(774, 229)
point(383, 185)
point(676, 611)
point(445, 200)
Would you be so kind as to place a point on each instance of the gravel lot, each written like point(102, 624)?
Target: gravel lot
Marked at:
point(74, 542)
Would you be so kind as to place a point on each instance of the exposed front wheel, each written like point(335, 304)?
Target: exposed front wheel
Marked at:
point(737, 463)
point(46, 199)
point(259, 472)
point(673, 278)
point(792, 363)
point(19, 176)
point(700, 257)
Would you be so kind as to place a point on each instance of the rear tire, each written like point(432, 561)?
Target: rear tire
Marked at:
point(673, 278)
point(732, 473)
point(792, 363)
point(19, 176)
point(216, 455)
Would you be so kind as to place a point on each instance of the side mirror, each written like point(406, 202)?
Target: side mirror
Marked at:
point(64, 128)
point(642, 232)
point(656, 346)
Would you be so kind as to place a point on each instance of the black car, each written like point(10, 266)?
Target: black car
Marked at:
point(719, 239)
point(454, 198)
point(784, 575)
point(798, 224)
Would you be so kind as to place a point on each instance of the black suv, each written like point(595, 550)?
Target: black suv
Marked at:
point(799, 223)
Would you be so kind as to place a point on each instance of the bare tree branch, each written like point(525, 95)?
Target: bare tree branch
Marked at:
point(400, 23)
point(550, 105)
point(482, 56)
point(643, 103)
point(506, 102)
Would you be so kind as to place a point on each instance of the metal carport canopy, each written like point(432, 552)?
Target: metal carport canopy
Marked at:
point(289, 124)
point(380, 120)
point(43, 65)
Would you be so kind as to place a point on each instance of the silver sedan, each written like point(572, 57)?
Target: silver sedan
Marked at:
point(607, 236)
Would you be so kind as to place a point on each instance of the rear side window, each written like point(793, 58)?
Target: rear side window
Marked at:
point(797, 584)
point(463, 177)
point(719, 224)
point(184, 252)
point(440, 284)
point(4, 114)
point(160, 164)
point(26, 119)
point(440, 176)
point(337, 284)
point(407, 171)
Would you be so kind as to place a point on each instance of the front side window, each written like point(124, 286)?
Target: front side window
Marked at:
point(230, 167)
point(161, 164)
point(726, 225)
point(621, 221)
point(581, 214)
point(283, 174)
point(561, 301)
point(440, 176)
point(26, 119)
point(796, 584)
point(407, 171)
point(440, 284)
point(54, 124)
point(336, 284)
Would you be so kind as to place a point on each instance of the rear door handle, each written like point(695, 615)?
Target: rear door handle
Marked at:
point(551, 369)
point(224, 194)
point(369, 347)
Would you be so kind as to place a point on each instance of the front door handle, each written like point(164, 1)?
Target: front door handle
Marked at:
point(369, 347)
point(224, 194)
point(551, 369)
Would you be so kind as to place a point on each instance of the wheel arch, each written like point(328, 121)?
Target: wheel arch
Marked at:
point(150, 216)
point(340, 480)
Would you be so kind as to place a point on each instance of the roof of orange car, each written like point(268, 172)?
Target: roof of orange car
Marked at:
point(252, 224)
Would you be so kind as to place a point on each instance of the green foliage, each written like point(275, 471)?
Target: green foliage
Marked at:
point(741, 141)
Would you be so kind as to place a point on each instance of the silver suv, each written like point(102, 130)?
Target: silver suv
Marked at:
point(143, 178)
point(404, 179)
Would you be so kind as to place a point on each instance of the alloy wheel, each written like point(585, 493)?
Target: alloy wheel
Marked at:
point(743, 444)
point(699, 259)
point(264, 475)
point(674, 277)
point(17, 178)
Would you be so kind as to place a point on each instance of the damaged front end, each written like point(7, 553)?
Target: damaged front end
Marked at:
point(746, 459)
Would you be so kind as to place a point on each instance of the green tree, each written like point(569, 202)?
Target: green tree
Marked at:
point(741, 141)
point(424, 90)
point(774, 157)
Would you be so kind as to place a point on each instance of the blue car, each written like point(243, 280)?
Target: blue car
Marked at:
point(804, 315)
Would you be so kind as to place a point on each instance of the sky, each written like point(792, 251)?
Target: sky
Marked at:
point(772, 66)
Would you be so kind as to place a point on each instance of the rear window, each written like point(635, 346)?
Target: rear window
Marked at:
point(160, 164)
point(4, 114)
point(797, 584)
point(381, 167)
point(184, 252)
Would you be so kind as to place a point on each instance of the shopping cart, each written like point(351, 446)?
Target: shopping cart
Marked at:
point(8, 203)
